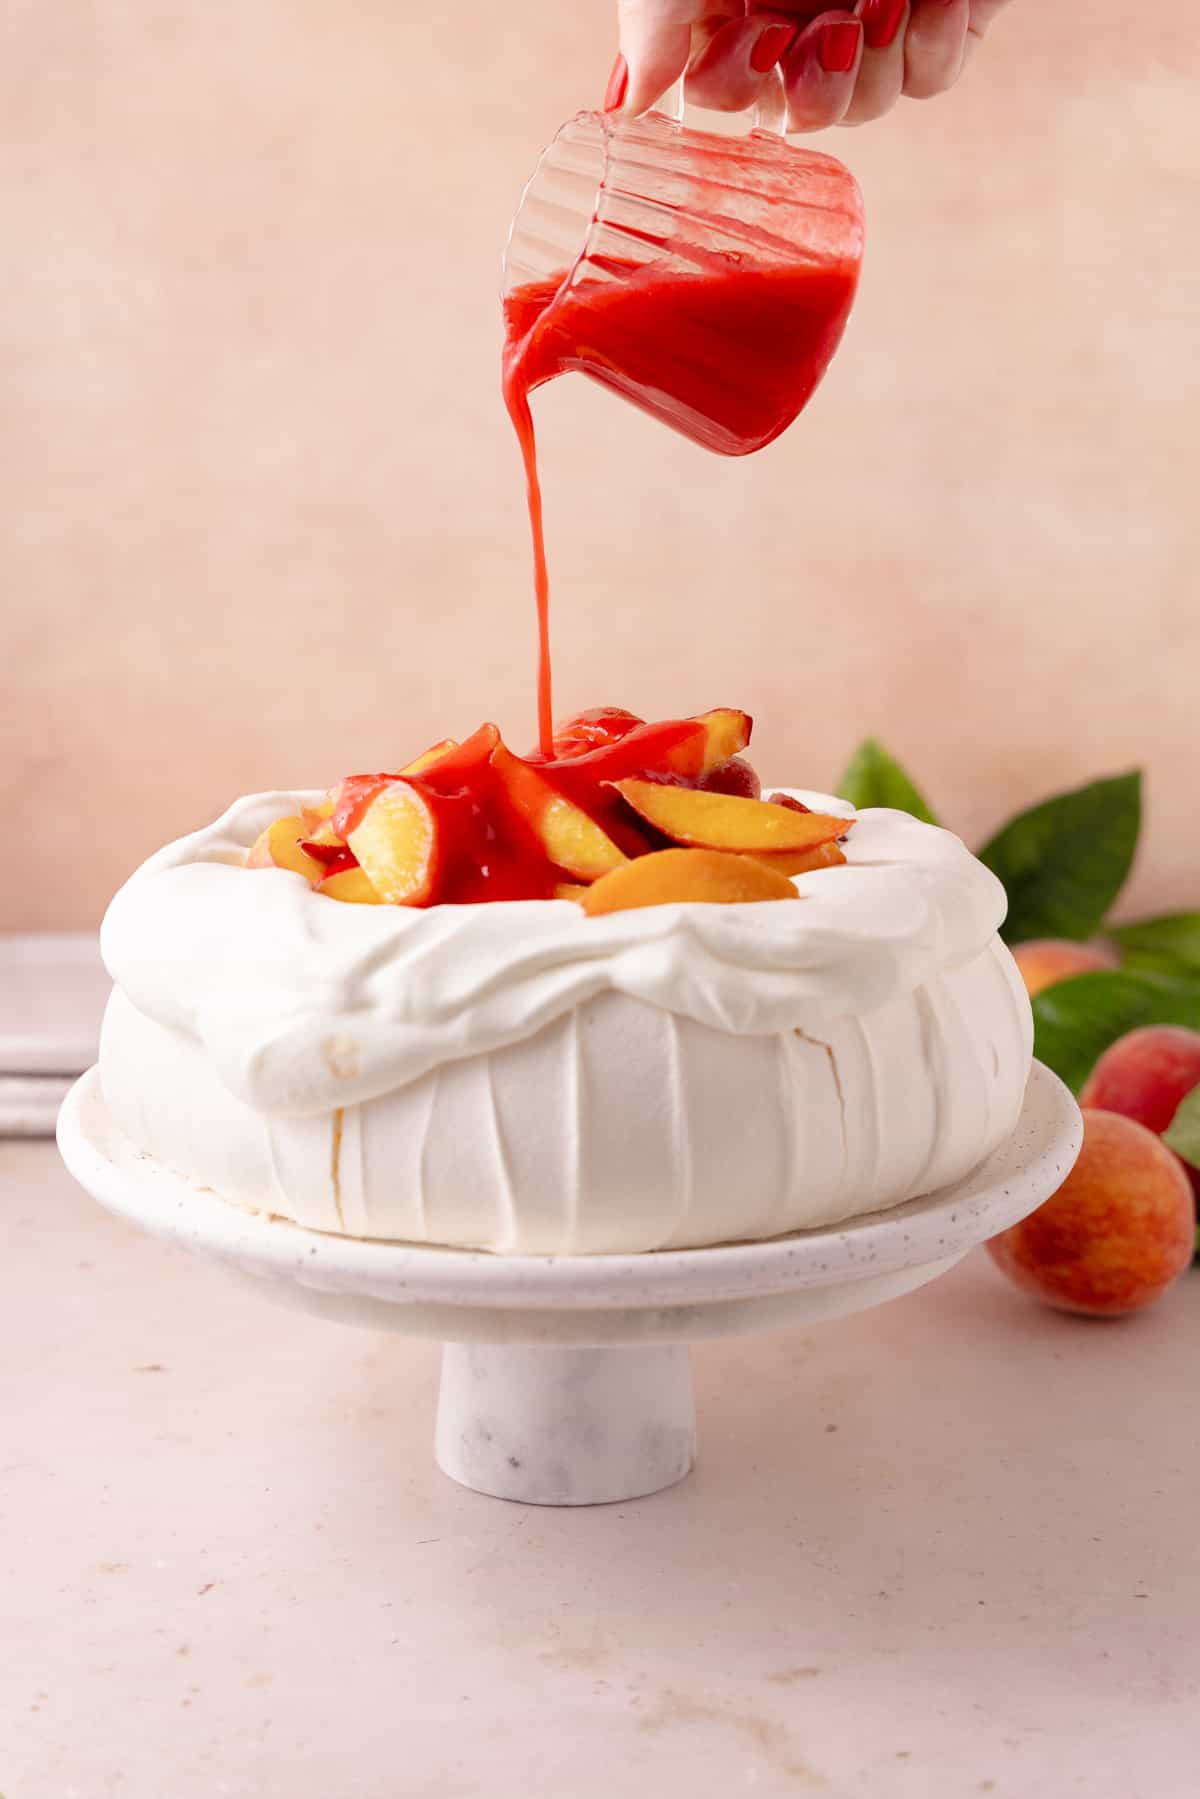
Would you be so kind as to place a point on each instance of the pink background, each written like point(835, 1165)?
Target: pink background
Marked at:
point(262, 517)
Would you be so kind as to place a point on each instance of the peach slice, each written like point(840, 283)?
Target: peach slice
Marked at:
point(669, 877)
point(345, 804)
point(352, 884)
point(279, 847)
point(699, 745)
point(322, 835)
point(351, 797)
point(723, 821)
point(428, 757)
point(803, 862)
point(463, 766)
point(317, 817)
point(726, 733)
point(675, 746)
point(571, 840)
point(329, 851)
point(399, 841)
point(589, 730)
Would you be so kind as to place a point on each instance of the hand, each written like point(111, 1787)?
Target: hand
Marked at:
point(840, 67)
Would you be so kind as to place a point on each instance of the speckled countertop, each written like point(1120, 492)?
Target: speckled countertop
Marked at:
point(942, 1549)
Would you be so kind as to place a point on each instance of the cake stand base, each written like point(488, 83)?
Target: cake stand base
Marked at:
point(565, 1426)
point(566, 1378)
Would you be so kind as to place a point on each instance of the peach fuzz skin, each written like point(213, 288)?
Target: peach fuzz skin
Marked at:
point(1045, 960)
point(1119, 1230)
point(1145, 1075)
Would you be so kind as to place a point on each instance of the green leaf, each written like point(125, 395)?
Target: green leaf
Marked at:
point(1183, 1133)
point(1065, 861)
point(1169, 942)
point(873, 778)
point(1076, 1020)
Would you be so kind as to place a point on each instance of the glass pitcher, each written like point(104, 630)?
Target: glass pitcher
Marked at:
point(706, 278)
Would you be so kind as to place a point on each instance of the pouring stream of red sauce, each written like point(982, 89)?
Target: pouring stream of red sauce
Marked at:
point(727, 355)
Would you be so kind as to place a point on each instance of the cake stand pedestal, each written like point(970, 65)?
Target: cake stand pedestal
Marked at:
point(565, 1426)
point(565, 1379)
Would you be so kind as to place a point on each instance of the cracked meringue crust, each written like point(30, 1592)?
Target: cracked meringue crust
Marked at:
point(520, 1078)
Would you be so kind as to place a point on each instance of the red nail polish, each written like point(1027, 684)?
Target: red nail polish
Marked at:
point(837, 46)
point(618, 81)
point(772, 46)
point(881, 21)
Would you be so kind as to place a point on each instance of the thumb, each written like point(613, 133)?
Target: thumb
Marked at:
point(656, 42)
point(982, 14)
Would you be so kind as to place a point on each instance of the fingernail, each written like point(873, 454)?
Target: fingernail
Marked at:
point(618, 81)
point(771, 47)
point(837, 46)
point(880, 22)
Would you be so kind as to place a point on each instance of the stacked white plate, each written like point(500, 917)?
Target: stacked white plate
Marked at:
point(52, 993)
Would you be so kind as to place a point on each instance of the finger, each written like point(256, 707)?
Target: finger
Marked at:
point(982, 14)
point(820, 69)
point(881, 71)
point(731, 69)
point(656, 42)
point(935, 46)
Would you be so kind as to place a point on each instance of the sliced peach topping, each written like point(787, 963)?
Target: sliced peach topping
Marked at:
point(464, 765)
point(669, 877)
point(688, 747)
point(589, 730)
point(279, 847)
point(353, 885)
point(316, 818)
point(436, 753)
point(725, 821)
point(325, 846)
point(724, 732)
point(570, 839)
point(673, 746)
point(322, 840)
point(399, 843)
point(803, 862)
point(470, 822)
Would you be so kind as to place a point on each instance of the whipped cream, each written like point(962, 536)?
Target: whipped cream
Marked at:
point(304, 1003)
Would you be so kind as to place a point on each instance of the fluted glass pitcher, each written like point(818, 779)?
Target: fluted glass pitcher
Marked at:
point(706, 278)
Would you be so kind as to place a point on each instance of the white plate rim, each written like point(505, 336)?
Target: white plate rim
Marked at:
point(1010, 1183)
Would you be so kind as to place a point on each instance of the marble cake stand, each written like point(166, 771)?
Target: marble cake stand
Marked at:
point(566, 1380)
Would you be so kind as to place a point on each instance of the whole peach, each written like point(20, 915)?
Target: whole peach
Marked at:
point(1115, 1235)
point(1144, 1075)
point(1044, 960)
